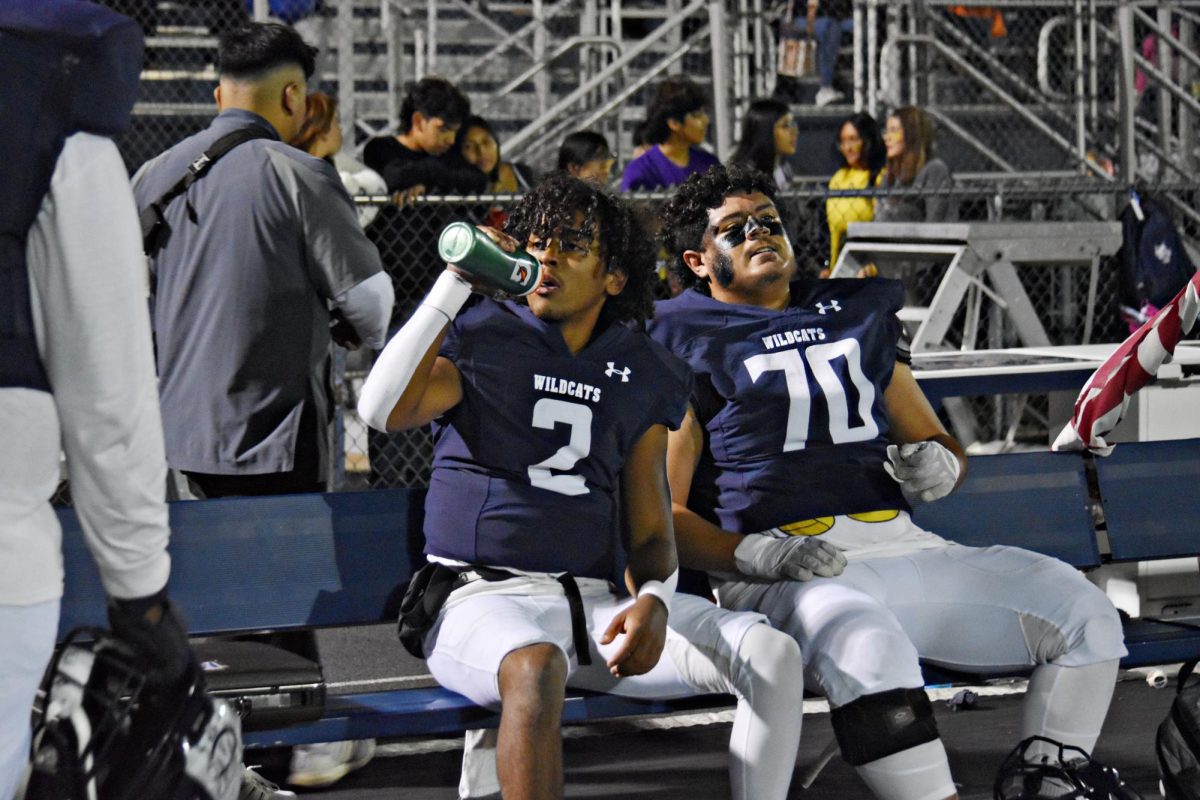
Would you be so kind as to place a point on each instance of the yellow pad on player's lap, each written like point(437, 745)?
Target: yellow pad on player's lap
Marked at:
point(819, 525)
point(886, 515)
point(808, 527)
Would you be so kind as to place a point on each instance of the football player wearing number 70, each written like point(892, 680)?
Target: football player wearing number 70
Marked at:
point(792, 475)
point(543, 410)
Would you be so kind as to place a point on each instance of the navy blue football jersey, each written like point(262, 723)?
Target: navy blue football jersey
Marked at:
point(527, 467)
point(791, 401)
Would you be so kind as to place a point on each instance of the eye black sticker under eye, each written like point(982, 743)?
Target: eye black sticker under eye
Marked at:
point(774, 227)
point(732, 238)
point(735, 236)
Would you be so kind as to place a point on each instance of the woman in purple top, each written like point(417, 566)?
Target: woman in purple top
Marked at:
point(677, 125)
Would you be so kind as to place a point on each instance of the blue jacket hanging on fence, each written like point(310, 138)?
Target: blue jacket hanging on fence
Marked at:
point(1153, 263)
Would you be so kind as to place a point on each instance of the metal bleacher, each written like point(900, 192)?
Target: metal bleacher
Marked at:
point(515, 60)
point(966, 252)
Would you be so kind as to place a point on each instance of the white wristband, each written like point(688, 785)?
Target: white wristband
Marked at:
point(663, 590)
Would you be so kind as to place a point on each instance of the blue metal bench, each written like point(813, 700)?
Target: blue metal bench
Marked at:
point(302, 561)
point(307, 561)
point(1152, 510)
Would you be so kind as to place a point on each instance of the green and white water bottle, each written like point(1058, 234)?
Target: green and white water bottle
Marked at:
point(468, 248)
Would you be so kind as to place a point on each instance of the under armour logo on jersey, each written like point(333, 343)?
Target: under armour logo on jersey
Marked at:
point(833, 306)
point(624, 372)
point(1162, 251)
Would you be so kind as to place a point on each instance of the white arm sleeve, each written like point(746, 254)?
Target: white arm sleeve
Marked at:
point(89, 302)
point(367, 306)
point(398, 361)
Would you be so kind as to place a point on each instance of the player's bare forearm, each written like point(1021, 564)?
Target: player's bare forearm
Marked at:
point(435, 388)
point(648, 510)
point(701, 544)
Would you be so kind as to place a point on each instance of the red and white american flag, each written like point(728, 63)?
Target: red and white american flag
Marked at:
point(1105, 396)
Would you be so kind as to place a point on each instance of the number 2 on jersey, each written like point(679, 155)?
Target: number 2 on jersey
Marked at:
point(820, 359)
point(547, 413)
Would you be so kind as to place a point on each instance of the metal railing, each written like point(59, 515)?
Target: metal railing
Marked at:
point(553, 129)
point(1080, 95)
point(522, 142)
point(1073, 304)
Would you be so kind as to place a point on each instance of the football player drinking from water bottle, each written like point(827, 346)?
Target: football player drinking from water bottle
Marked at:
point(550, 418)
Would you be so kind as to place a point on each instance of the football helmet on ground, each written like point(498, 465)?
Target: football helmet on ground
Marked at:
point(105, 734)
point(1073, 775)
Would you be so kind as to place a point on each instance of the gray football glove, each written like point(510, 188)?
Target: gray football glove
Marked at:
point(775, 555)
point(924, 470)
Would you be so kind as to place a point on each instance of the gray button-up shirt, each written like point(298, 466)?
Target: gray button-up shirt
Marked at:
point(259, 250)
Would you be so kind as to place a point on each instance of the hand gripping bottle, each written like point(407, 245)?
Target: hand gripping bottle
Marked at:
point(470, 249)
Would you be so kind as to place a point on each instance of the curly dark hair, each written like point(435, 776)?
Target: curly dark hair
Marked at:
point(435, 98)
point(685, 216)
point(624, 244)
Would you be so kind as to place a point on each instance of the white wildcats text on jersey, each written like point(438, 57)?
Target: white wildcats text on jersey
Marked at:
point(798, 336)
point(577, 389)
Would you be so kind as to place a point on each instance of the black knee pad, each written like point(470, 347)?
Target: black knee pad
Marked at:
point(878, 725)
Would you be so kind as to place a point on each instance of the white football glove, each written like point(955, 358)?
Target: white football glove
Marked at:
point(924, 470)
point(775, 555)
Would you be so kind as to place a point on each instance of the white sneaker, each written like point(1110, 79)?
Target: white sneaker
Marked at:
point(256, 787)
point(827, 95)
point(316, 765)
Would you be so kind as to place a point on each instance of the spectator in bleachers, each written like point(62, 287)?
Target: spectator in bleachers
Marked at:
point(908, 140)
point(641, 140)
point(981, 23)
point(423, 153)
point(827, 22)
point(321, 136)
point(676, 125)
point(768, 138)
point(289, 11)
point(585, 154)
point(244, 387)
point(861, 150)
point(478, 145)
point(421, 158)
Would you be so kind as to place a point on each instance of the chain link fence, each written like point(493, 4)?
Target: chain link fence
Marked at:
point(1062, 295)
point(1014, 85)
point(1032, 85)
point(513, 60)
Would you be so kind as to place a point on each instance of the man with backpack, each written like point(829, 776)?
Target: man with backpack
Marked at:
point(248, 265)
